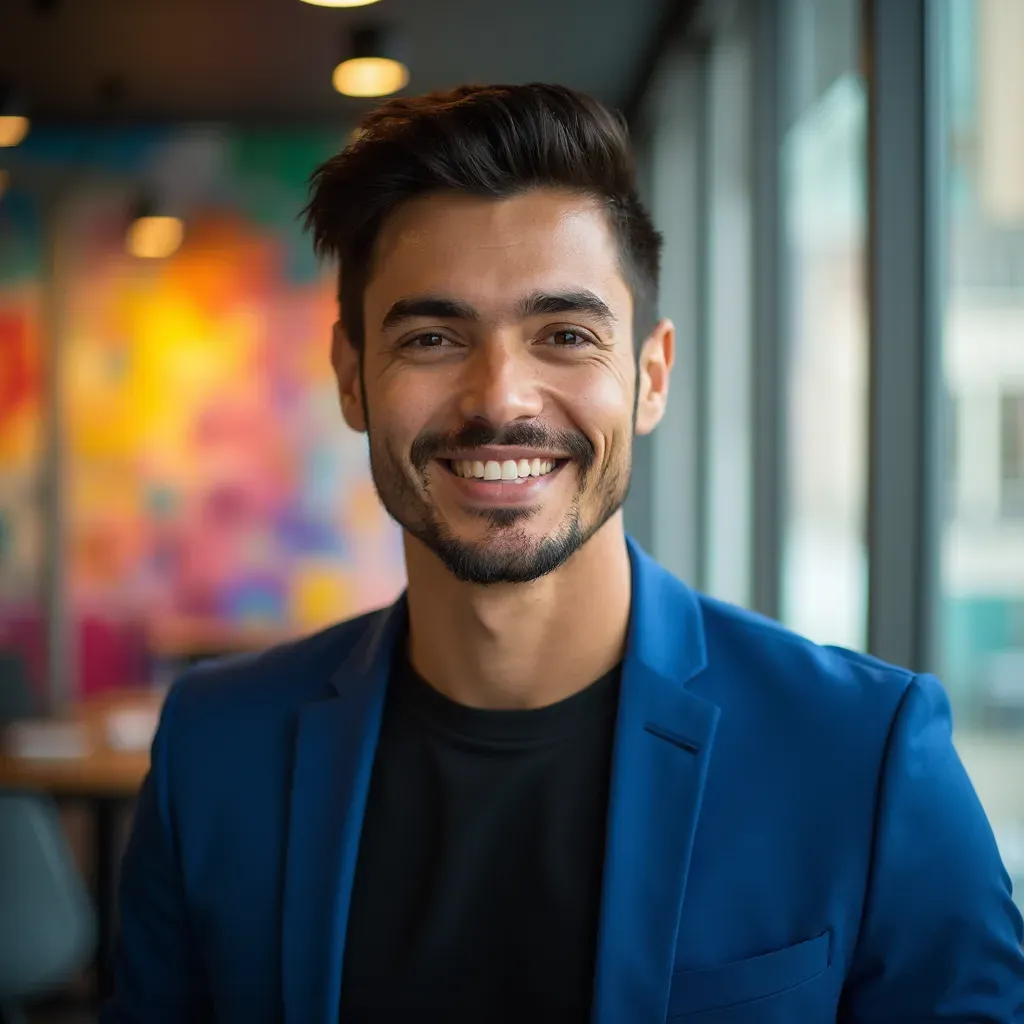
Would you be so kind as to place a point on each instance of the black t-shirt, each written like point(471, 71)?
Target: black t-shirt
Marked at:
point(478, 882)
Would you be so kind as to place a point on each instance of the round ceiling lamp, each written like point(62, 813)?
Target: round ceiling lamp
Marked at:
point(14, 122)
point(152, 234)
point(373, 67)
point(13, 129)
point(339, 3)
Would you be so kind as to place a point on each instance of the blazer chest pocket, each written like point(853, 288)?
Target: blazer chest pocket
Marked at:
point(716, 988)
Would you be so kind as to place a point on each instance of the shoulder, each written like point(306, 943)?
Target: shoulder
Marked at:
point(748, 664)
point(831, 706)
point(279, 678)
point(228, 725)
point(747, 651)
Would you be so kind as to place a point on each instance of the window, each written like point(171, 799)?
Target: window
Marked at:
point(824, 209)
point(981, 631)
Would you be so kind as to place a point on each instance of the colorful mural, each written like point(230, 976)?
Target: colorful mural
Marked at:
point(21, 401)
point(21, 432)
point(212, 484)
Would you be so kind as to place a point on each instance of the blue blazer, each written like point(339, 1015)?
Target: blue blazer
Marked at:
point(791, 836)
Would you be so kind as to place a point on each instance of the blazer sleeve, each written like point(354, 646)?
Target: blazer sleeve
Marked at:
point(158, 977)
point(941, 937)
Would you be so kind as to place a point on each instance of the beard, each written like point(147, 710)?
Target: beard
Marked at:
point(507, 553)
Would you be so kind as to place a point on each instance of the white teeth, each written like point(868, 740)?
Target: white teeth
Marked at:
point(508, 471)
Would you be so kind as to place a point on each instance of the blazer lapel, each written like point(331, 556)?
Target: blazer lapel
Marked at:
point(663, 744)
point(334, 750)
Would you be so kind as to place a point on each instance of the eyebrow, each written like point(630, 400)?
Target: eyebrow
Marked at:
point(427, 307)
point(439, 307)
point(548, 304)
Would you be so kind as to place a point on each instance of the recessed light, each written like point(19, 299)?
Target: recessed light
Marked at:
point(339, 3)
point(373, 67)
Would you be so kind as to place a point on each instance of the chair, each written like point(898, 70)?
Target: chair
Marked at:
point(47, 921)
point(16, 697)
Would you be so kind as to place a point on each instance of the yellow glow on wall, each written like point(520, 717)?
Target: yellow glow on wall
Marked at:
point(154, 238)
point(13, 128)
point(370, 76)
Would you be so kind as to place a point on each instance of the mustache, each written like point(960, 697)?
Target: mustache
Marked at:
point(431, 444)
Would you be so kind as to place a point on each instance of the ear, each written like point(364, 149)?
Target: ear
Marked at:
point(653, 370)
point(346, 360)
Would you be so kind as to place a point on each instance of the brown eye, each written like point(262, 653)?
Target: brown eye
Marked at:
point(569, 339)
point(428, 341)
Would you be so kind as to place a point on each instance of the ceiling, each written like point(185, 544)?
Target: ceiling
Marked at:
point(272, 59)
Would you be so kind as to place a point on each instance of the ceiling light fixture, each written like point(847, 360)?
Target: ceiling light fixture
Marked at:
point(152, 234)
point(14, 122)
point(339, 3)
point(373, 67)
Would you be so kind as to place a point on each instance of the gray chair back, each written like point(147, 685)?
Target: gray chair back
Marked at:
point(47, 921)
point(16, 697)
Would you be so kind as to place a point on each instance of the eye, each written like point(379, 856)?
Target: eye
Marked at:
point(430, 340)
point(568, 339)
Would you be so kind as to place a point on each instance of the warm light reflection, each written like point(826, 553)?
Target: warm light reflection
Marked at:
point(154, 238)
point(339, 3)
point(4, 178)
point(370, 76)
point(13, 128)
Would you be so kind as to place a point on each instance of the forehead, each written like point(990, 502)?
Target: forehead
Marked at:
point(491, 251)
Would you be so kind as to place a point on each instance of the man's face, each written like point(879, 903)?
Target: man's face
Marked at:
point(498, 379)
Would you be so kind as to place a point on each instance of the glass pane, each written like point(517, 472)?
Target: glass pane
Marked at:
point(824, 166)
point(728, 352)
point(982, 639)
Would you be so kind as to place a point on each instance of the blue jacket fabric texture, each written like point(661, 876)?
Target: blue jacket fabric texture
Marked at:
point(791, 835)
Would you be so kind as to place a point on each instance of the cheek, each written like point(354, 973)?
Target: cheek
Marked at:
point(402, 406)
point(601, 402)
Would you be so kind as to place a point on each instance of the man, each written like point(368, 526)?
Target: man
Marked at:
point(551, 783)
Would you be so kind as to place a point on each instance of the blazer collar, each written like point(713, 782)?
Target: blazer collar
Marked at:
point(663, 741)
point(334, 748)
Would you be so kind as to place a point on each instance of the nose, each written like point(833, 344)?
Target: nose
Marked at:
point(499, 385)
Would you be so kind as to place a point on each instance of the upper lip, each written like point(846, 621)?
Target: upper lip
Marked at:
point(502, 453)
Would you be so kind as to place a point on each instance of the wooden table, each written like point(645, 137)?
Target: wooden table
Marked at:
point(106, 781)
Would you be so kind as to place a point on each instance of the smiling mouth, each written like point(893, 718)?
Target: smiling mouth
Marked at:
point(509, 471)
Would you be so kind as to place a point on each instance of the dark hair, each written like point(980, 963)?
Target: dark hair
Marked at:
point(498, 141)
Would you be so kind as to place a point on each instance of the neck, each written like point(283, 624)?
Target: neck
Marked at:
point(520, 645)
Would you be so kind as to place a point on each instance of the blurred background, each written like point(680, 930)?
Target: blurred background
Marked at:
point(841, 187)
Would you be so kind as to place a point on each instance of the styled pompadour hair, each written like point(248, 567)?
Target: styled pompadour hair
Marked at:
point(492, 141)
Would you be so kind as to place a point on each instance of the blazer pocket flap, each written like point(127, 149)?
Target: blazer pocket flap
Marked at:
point(714, 988)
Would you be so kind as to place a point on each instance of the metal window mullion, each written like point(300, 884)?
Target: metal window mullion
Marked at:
point(903, 510)
point(702, 342)
point(769, 363)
